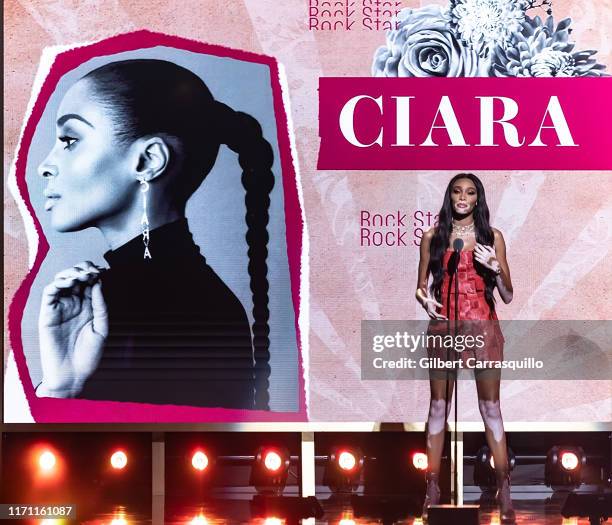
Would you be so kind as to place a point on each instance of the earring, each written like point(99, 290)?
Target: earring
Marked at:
point(144, 222)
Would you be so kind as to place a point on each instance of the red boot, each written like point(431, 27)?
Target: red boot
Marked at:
point(504, 498)
point(432, 492)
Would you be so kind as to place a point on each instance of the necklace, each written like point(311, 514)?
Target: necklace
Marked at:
point(460, 230)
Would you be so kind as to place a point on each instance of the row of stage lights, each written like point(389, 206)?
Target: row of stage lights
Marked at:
point(343, 468)
point(562, 469)
point(270, 466)
point(47, 460)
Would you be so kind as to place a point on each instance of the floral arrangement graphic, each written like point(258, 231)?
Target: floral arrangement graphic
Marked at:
point(482, 38)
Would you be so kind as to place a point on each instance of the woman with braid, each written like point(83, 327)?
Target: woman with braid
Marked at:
point(135, 139)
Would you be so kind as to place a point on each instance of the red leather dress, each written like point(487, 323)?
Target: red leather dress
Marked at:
point(472, 306)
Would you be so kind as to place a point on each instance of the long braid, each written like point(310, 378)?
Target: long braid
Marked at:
point(243, 135)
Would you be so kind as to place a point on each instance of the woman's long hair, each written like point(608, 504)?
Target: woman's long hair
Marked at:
point(147, 97)
point(442, 233)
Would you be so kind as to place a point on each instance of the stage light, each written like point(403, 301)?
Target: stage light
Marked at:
point(484, 468)
point(46, 465)
point(47, 461)
point(419, 461)
point(569, 461)
point(563, 468)
point(272, 461)
point(200, 461)
point(346, 460)
point(269, 470)
point(343, 470)
point(273, 521)
point(118, 460)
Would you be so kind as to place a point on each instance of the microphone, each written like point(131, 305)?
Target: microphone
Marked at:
point(453, 262)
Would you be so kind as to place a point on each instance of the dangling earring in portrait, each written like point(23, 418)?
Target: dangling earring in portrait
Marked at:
point(144, 222)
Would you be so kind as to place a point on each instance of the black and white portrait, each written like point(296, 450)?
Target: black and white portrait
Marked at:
point(156, 178)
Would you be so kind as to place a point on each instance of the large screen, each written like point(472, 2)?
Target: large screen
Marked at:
point(273, 223)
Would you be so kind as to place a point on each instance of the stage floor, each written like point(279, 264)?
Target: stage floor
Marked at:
point(238, 512)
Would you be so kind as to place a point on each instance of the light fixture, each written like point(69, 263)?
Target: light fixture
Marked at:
point(347, 460)
point(563, 468)
point(484, 468)
point(199, 460)
point(47, 461)
point(569, 460)
point(269, 470)
point(419, 461)
point(118, 460)
point(272, 460)
point(343, 469)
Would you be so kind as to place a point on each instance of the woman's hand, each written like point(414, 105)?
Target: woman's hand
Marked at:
point(430, 305)
point(72, 327)
point(487, 256)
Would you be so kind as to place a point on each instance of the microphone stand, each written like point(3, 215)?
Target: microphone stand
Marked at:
point(456, 316)
point(454, 279)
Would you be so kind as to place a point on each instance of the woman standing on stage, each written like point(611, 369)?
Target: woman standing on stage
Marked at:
point(481, 267)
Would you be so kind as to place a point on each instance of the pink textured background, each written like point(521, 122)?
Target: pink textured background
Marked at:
point(548, 216)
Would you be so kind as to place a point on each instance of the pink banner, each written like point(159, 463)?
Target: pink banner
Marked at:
point(465, 123)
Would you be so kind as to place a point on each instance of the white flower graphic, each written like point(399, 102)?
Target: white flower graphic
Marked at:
point(476, 38)
point(424, 45)
point(483, 24)
point(541, 50)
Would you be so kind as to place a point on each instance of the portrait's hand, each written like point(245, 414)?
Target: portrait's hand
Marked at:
point(72, 328)
point(430, 305)
point(486, 256)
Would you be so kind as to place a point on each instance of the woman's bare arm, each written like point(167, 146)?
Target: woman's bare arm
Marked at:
point(422, 293)
point(503, 280)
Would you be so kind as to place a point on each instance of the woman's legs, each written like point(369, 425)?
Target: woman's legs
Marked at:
point(441, 390)
point(487, 385)
point(436, 420)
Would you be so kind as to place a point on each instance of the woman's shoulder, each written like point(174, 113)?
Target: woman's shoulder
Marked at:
point(497, 234)
point(429, 234)
point(210, 292)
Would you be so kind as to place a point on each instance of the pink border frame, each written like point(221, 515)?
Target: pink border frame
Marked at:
point(49, 410)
